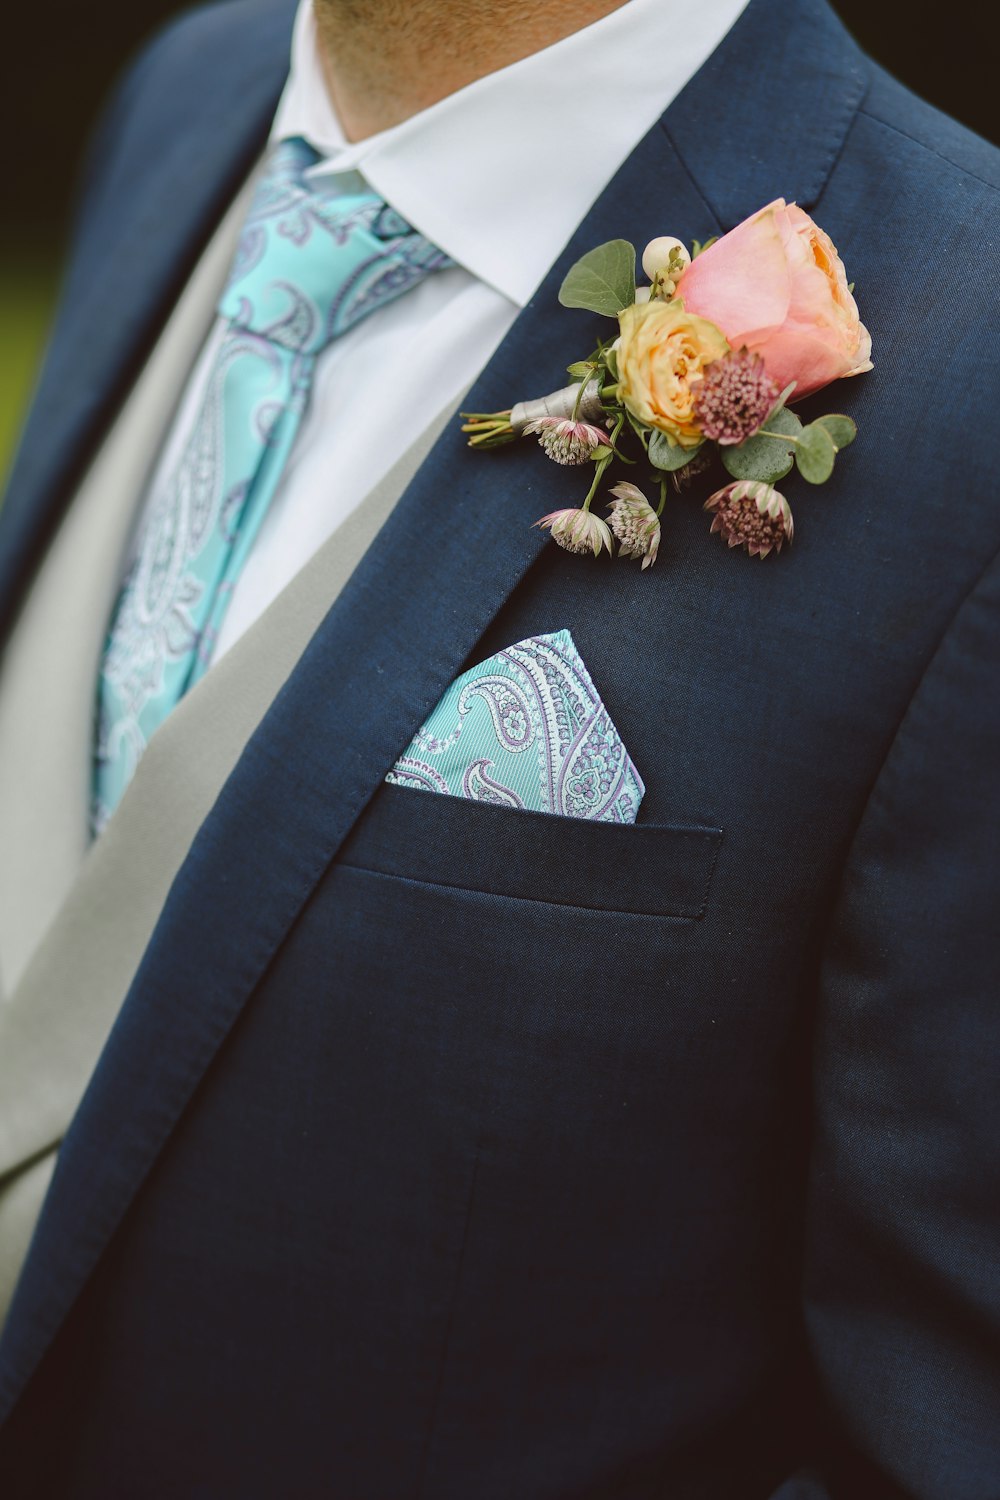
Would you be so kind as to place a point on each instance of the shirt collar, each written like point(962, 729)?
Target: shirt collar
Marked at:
point(500, 173)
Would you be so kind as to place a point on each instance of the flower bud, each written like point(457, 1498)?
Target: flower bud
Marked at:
point(734, 397)
point(635, 523)
point(564, 441)
point(753, 515)
point(577, 531)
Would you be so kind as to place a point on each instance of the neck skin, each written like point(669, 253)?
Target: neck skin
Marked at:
point(385, 60)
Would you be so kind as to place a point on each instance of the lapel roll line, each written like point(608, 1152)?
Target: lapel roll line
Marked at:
point(461, 533)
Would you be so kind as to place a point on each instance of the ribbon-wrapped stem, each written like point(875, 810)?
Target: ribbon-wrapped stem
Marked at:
point(492, 429)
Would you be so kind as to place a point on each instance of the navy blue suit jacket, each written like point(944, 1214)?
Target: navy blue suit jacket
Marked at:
point(442, 1150)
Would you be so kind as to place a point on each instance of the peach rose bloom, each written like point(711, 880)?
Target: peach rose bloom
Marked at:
point(776, 284)
point(661, 355)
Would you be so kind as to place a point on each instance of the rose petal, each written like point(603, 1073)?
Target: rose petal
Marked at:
point(741, 283)
point(777, 285)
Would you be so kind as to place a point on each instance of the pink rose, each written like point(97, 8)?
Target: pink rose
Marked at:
point(776, 284)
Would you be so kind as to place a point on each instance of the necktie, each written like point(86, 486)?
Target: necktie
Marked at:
point(311, 262)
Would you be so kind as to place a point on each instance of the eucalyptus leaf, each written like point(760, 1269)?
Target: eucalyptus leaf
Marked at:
point(841, 429)
point(603, 280)
point(815, 453)
point(667, 455)
point(764, 459)
point(781, 401)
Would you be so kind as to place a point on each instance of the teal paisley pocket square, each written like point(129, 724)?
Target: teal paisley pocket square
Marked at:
point(526, 729)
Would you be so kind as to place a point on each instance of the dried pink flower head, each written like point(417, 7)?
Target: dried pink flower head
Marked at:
point(734, 397)
point(752, 515)
point(564, 441)
point(577, 530)
point(635, 523)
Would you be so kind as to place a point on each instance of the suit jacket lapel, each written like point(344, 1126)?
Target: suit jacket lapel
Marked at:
point(457, 544)
point(163, 187)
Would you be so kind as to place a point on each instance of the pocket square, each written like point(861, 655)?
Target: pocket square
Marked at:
point(526, 729)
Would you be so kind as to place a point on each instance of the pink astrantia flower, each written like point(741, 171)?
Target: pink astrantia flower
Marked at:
point(752, 515)
point(577, 530)
point(734, 397)
point(564, 441)
point(635, 523)
point(776, 284)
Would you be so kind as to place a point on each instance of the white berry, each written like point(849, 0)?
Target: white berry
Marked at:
point(656, 256)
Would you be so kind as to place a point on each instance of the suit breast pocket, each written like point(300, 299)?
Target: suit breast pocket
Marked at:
point(660, 870)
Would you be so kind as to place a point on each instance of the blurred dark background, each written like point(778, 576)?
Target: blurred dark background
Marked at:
point(60, 58)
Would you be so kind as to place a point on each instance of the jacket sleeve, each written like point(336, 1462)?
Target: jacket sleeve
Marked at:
point(902, 1260)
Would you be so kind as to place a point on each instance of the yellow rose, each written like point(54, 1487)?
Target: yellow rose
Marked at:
point(661, 356)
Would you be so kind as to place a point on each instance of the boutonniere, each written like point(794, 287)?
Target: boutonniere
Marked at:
point(707, 358)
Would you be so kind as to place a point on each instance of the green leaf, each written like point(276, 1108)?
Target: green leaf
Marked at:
point(641, 432)
point(667, 455)
point(610, 359)
point(697, 248)
point(841, 429)
point(815, 453)
point(581, 370)
point(600, 452)
point(781, 401)
point(603, 280)
point(764, 459)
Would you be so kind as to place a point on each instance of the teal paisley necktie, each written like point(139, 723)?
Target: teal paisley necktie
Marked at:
point(311, 263)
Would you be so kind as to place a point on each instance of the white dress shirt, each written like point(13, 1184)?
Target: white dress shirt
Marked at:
point(499, 175)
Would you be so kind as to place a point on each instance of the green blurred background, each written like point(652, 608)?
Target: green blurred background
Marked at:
point(60, 59)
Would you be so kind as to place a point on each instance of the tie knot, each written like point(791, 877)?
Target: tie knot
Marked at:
point(313, 260)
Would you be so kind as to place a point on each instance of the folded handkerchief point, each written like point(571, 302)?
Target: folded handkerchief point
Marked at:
point(526, 729)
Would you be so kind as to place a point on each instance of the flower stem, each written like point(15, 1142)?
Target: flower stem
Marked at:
point(599, 469)
point(488, 429)
point(579, 396)
point(602, 463)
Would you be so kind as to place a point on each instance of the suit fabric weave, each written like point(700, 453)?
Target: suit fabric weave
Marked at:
point(414, 1167)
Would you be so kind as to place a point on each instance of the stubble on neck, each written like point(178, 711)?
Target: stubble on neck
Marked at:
point(385, 60)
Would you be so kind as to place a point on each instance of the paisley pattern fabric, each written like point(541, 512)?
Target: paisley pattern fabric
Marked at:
point(526, 729)
point(311, 263)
